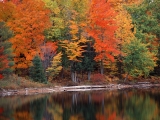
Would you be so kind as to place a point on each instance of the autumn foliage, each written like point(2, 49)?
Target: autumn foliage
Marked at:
point(91, 36)
point(29, 22)
point(102, 29)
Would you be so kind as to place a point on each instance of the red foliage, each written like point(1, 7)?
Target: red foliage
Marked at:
point(49, 50)
point(1, 110)
point(98, 77)
point(1, 76)
point(102, 28)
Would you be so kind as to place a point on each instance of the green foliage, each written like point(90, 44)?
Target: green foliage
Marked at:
point(145, 21)
point(87, 63)
point(36, 71)
point(56, 66)
point(55, 31)
point(38, 108)
point(5, 35)
point(138, 60)
point(145, 17)
point(140, 108)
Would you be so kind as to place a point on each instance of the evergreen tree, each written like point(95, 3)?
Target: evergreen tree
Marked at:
point(36, 71)
point(87, 63)
point(5, 35)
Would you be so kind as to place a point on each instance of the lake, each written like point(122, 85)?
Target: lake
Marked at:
point(129, 104)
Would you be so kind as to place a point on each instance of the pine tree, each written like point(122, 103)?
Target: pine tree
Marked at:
point(36, 71)
point(87, 63)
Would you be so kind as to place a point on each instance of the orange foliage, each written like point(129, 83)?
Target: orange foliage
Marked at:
point(13, 1)
point(23, 115)
point(28, 24)
point(102, 28)
point(7, 10)
point(112, 116)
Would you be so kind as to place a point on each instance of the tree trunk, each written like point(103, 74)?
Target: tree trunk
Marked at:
point(89, 75)
point(75, 76)
point(82, 74)
point(101, 67)
point(126, 77)
point(72, 76)
point(62, 73)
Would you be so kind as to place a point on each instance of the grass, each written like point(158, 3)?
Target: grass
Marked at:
point(15, 82)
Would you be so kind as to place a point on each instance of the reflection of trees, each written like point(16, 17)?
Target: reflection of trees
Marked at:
point(13, 102)
point(55, 110)
point(38, 107)
point(97, 105)
point(23, 115)
point(83, 110)
point(6, 114)
point(141, 108)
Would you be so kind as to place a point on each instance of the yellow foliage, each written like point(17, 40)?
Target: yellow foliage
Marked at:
point(55, 67)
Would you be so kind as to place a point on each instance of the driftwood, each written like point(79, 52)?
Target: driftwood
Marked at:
point(31, 91)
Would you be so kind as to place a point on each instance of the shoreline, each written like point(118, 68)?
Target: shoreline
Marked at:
point(34, 91)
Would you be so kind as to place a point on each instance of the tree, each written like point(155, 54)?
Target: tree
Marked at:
point(36, 71)
point(55, 31)
point(28, 24)
point(138, 60)
point(87, 63)
point(136, 108)
point(3, 61)
point(102, 28)
point(56, 66)
point(74, 46)
point(5, 44)
point(48, 51)
point(7, 9)
point(125, 31)
point(145, 23)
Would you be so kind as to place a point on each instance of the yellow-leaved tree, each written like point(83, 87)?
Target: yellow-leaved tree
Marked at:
point(55, 67)
point(74, 47)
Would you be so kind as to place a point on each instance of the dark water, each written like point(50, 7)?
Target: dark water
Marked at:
point(141, 104)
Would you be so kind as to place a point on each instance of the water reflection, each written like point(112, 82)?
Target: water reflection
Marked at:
point(96, 105)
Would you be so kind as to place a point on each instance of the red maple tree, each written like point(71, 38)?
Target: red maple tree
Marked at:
point(102, 27)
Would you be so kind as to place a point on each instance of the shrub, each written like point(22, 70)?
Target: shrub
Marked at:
point(98, 77)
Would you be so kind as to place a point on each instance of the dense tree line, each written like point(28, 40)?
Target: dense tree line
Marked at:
point(44, 38)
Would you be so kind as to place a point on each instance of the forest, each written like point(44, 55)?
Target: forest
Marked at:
point(48, 40)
